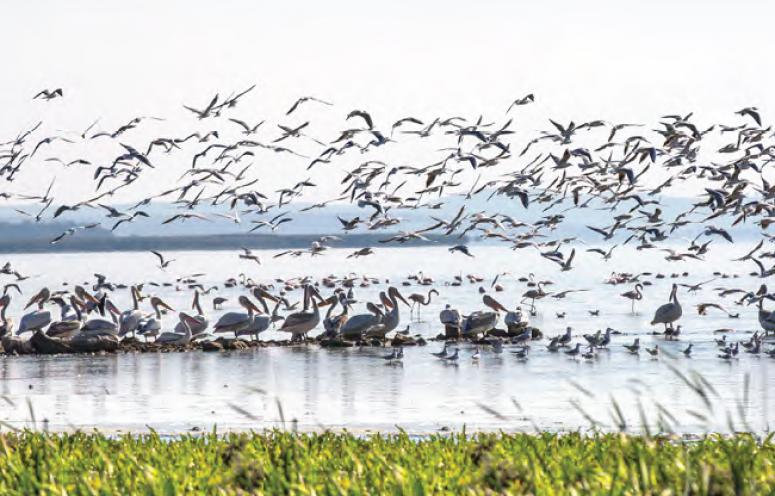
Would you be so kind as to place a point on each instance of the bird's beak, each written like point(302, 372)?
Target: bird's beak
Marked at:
point(162, 304)
point(265, 294)
point(251, 306)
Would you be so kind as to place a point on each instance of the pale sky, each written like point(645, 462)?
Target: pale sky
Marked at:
point(617, 60)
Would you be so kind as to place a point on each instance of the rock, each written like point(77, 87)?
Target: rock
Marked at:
point(14, 345)
point(401, 340)
point(536, 333)
point(212, 346)
point(233, 344)
point(46, 345)
point(82, 343)
point(335, 343)
point(499, 333)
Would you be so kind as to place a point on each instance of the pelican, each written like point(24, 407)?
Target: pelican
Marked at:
point(34, 321)
point(101, 325)
point(634, 295)
point(300, 323)
point(261, 323)
point(483, 321)
point(129, 320)
point(333, 323)
point(513, 319)
point(197, 324)
point(40, 298)
point(176, 337)
point(236, 321)
point(669, 312)
point(766, 319)
point(357, 325)
point(152, 326)
point(6, 323)
point(420, 301)
point(391, 318)
point(450, 319)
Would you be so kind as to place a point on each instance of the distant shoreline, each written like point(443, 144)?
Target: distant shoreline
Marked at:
point(208, 242)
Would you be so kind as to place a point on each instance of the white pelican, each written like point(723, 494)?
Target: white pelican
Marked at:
point(152, 326)
point(6, 323)
point(129, 320)
point(634, 295)
point(300, 323)
point(34, 321)
point(420, 301)
point(359, 324)
point(261, 323)
point(513, 319)
point(40, 298)
point(236, 321)
point(483, 321)
point(670, 311)
point(333, 323)
point(197, 324)
point(176, 337)
point(391, 318)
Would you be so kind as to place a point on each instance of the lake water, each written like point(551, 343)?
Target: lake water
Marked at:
point(355, 389)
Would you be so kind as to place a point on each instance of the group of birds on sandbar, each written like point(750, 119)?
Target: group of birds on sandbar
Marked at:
point(626, 170)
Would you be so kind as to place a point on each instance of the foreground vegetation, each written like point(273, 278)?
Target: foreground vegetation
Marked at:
point(279, 462)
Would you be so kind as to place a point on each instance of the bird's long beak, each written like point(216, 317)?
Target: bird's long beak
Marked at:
point(251, 306)
point(85, 296)
point(265, 294)
point(161, 303)
point(394, 290)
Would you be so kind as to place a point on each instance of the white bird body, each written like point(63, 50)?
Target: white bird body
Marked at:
point(34, 321)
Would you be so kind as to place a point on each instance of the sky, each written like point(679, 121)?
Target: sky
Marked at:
point(616, 60)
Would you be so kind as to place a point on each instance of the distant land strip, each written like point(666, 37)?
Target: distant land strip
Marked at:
point(209, 242)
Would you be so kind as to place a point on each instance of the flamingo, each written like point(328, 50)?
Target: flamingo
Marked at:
point(420, 301)
point(634, 295)
point(534, 294)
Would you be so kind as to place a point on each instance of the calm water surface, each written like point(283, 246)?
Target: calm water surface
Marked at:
point(355, 389)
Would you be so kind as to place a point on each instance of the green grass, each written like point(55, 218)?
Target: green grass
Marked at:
point(280, 462)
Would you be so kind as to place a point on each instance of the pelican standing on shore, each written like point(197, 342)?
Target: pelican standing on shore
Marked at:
point(670, 311)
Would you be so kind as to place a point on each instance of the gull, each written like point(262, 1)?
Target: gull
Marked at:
point(305, 99)
point(653, 351)
point(575, 351)
point(462, 249)
point(751, 112)
point(248, 255)
point(442, 353)
point(163, 264)
point(606, 254)
point(529, 98)
point(688, 351)
point(454, 357)
point(363, 115)
point(247, 129)
point(361, 253)
point(47, 94)
point(207, 112)
point(633, 348)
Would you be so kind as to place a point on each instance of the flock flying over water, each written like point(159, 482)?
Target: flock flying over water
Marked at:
point(626, 169)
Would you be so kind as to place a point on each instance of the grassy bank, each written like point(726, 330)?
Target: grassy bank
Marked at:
point(35, 463)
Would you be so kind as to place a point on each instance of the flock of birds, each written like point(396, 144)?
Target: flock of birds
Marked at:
point(621, 168)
